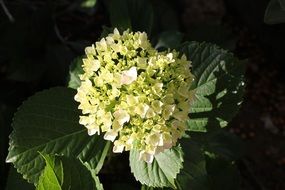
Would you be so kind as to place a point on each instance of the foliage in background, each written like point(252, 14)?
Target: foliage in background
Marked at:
point(275, 12)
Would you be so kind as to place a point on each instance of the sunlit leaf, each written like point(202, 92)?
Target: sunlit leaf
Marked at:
point(161, 172)
point(65, 174)
point(48, 178)
point(48, 123)
point(88, 3)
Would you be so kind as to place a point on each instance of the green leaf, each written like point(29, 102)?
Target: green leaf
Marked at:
point(274, 14)
point(161, 172)
point(65, 174)
point(208, 163)
point(136, 15)
point(194, 173)
point(88, 3)
point(144, 187)
point(224, 144)
point(75, 70)
point(204, 172)
point(48, 123)
point(169, 39)
point(48, 179)
point(218, 87)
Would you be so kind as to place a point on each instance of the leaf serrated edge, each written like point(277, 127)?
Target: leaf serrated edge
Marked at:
point(13, 159)
point(176, 173)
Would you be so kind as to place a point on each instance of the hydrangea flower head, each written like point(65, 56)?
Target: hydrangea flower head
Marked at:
point(138, 97)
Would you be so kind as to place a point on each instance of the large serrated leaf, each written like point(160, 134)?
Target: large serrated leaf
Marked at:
point(48, 123)
point(218, 87)
point(161, 172)
point(144, 187)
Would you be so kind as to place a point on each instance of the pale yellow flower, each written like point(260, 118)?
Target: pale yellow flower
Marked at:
point(138, 97)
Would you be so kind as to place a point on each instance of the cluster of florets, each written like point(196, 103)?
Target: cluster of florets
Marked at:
point(137, 96)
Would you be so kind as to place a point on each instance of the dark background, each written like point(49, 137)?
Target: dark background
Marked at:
point(38, 44)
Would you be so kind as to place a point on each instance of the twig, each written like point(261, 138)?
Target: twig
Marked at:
point(7, 12)
point(57, 32)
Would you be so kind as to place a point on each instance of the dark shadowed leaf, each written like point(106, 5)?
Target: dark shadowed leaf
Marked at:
point(136, 15)
point(282, 4)
point(224, 144)
point(222, 174)
point(274, 13)
point(204, 171)
point(169, 39)
point(194, 174)
point(218, 86)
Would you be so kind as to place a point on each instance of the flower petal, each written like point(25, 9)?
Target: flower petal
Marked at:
point(129, 76)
